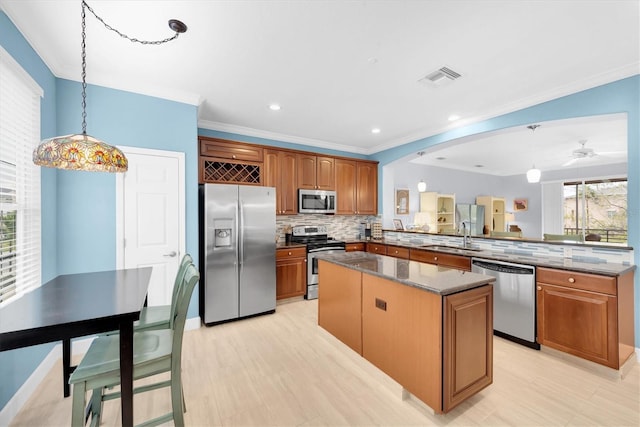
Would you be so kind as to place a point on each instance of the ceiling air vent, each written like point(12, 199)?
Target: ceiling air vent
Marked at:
point(441, 75)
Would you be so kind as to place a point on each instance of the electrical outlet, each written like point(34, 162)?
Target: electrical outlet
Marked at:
point(381, 304)
point(568, 252)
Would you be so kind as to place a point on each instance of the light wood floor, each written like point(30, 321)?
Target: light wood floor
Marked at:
point(283, 370)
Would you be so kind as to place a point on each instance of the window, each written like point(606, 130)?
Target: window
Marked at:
point(19, 180)
point(597, 208)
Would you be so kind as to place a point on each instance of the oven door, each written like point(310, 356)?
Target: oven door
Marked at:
point(312, 268)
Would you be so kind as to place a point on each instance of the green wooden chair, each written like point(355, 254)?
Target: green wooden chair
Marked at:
point(154, 352)
point(158, 317)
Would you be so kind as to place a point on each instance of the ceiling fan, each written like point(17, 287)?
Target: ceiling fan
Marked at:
point(580, 153)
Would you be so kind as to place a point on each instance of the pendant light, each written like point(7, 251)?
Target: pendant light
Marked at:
point(533, 174)
point(422, 186)
point(82, 151)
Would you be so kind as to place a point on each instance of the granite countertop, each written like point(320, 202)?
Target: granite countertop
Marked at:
point(432, 278)
point(606, 269)
point(284, 245)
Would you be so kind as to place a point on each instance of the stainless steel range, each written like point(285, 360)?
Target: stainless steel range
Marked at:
point(315, 237)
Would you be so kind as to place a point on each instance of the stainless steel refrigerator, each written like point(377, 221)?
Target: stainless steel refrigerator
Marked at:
point(238, 251)
point(472, 216)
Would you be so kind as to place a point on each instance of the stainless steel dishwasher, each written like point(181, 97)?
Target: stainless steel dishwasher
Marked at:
point(514, 299)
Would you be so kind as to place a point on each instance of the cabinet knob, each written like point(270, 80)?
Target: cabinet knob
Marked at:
point(289, 253)
point(435, 258)
point(539, 288)
point(572, 280)
point(233, 156)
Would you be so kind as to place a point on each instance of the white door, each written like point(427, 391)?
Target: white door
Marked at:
point(150, 218)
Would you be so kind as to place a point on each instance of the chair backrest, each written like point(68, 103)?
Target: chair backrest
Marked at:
point(179, 314)
point(182, 269)
point(569, 237)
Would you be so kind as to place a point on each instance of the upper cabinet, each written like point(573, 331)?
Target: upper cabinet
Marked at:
point(494, 212)
point(281, 172)
point(355, 181)
point(356, 187)
point(223, 161)
point(316, 172)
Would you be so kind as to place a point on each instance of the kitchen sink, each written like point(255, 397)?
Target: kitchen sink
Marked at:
point(448, 248)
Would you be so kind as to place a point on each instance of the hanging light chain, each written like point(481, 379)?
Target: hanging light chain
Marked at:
point(84, 70)
point(133, 40)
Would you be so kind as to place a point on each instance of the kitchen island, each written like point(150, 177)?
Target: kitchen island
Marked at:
point(428, 327)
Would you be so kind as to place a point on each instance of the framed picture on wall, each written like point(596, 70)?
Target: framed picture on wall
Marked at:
point(402, 201)
point(397, 224)
point(520, 204)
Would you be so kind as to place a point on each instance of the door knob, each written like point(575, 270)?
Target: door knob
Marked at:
point(171, 254)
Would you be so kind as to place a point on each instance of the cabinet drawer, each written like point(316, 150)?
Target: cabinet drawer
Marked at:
point(351, 247)
point(285, 253)
point(377, 248)
point(398, 252)
point(439, 258)
point(572, 279)
point(230, 150)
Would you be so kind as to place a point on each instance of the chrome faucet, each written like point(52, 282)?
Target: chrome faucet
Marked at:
point(466, 238)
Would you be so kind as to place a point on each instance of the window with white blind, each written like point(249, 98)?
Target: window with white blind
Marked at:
point(19, 180)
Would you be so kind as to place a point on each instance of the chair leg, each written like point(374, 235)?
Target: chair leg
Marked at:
point(77, 411)
point(96, 406)
point(177, 400)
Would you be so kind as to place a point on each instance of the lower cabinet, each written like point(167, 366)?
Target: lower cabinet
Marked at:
point(291, 272)
point(587, 315)
point(438, 258)
point(352, 247)
point(398, 252)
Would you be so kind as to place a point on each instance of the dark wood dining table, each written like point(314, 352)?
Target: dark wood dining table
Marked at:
point(76, 305)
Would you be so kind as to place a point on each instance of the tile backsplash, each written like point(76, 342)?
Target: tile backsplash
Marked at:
point(342, 227)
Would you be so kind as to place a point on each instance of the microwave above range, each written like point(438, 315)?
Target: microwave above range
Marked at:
point(316, 201)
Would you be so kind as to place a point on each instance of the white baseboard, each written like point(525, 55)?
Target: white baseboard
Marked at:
point(78, 347)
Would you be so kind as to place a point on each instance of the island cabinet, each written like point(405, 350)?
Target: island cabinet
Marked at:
point(316, 172)
point(291, 272)
point(356, 187)
point(352, 247)
point(437, 347)
point(587, 315)
point(440, 258)
point(280, 171)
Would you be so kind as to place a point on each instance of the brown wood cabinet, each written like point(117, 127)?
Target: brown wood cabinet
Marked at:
point(222, 161)
point(468, 344)
point(439, 348)
point(356, 187)
point(352, 247)
point(587, 315)
point(439, 258)
point(377, 248)
point(280, 171)
point(398, 251)
point(291, 272)
point(316, 172)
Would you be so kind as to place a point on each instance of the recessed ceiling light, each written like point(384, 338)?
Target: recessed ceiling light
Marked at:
point(440, 158)
point(454, 117)
point(274, 107)
point(478, 166)
point(375, 130)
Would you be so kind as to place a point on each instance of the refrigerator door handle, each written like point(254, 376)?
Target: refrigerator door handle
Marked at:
point(241, 236)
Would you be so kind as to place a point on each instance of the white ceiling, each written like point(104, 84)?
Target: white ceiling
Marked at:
point(340, 68)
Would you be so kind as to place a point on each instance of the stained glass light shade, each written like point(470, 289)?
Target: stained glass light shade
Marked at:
point(79, 152)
